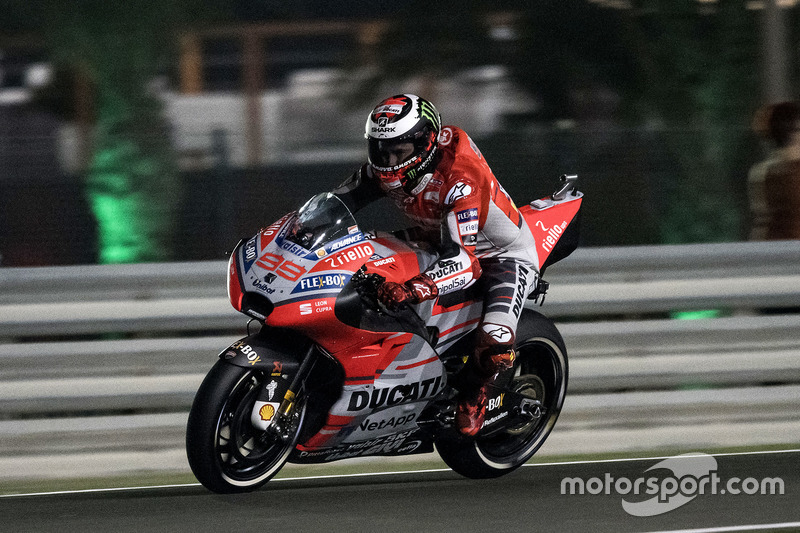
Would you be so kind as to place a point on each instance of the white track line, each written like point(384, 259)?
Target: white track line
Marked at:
point(727, 529)
point(628, 459)
point(428, 471)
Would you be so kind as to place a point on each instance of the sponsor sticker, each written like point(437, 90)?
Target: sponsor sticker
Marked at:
point(474, 147)
point(433, 196)
point(395, 444)
point(498, 333)
point(467, 215)
point(378, 397)
point(445, 268)
point(263, 413)
point(271, 388)
point(391, 109)
point(468, 228)
point(321, 282)
point(457, 192)
point(386, 261)
point(445, 136)
point(453, 284)
point(250, 254)
point(394, 422)
point(552, 234)
point(345, 257)
point(267, 412)
point(293, 248)
point(345, 241)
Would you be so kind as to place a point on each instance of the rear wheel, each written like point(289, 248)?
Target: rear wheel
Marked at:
point(540, 373)
point(226, 453)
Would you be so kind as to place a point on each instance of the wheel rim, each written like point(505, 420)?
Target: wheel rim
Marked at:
point(243, 454)
point(530, 386)
point(540, 374)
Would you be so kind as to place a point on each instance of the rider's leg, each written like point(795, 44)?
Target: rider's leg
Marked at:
point(507, 284)
point(488, 359)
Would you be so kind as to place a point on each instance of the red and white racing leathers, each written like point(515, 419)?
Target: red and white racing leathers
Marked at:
point(463, 206)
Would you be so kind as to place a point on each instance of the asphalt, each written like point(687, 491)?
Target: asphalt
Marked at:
point(159, 446)
point(532, 498)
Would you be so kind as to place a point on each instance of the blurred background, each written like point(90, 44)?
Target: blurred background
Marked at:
point(166, 130)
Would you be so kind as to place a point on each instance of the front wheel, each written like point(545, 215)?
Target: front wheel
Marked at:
point(540, 373)
point(226, 453)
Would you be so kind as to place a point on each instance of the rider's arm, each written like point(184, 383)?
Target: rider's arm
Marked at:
point(359, 190)
point(457, 267)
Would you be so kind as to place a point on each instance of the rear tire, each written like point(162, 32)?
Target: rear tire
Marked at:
point(226, 453)
point(540, 372)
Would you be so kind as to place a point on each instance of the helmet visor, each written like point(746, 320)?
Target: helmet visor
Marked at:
point(390, 154)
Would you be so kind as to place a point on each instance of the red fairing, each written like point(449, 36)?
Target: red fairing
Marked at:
point(548, 223)
point(235, 294)
point(268, 234)
point(317, 319)
point(398, 268)
point(350, 258)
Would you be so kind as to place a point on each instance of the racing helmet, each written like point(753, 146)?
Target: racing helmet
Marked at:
point(404, 118)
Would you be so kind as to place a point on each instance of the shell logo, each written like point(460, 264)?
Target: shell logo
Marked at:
point(266, 412)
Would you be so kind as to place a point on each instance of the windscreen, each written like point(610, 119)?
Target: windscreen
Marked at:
point(321, 219)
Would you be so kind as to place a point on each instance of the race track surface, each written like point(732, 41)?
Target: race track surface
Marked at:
point(528, 500)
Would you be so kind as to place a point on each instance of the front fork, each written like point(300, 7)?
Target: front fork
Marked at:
point(281, 426)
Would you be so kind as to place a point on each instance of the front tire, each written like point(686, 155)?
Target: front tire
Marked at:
point(540, 372)
point(226, 453)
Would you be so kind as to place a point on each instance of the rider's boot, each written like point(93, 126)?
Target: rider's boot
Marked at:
point(479, 373)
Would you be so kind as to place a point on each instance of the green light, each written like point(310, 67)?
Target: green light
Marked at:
point(696, 315)
point(131, 185)
point(120, 237)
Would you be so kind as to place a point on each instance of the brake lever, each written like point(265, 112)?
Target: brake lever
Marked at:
point(367, 287)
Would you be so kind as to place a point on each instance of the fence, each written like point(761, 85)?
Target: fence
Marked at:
point(106, 359)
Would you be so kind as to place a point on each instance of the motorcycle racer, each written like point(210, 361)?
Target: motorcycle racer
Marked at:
point(439, 179)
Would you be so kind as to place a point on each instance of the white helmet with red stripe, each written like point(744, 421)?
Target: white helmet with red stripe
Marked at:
point(405, 118)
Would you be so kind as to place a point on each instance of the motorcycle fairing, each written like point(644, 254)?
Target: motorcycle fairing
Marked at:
point(554, 225)
point(387, 385)
point(391, 371)
point(277, 353)
point(278, 356)
point(402, 443)
point(455, 315)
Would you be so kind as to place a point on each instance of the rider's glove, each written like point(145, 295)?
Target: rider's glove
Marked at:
point(416, 290)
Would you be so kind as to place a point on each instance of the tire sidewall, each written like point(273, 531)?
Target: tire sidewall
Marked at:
point(202, 431)
point(466, 456)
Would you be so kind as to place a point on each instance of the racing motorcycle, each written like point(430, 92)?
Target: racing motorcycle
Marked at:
point(332, 373)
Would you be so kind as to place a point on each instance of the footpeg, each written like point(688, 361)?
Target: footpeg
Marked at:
point(436, 416)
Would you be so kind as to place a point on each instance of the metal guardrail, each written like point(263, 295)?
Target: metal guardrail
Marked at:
point(96, 341)
point(143, 322)
point(595, 281)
